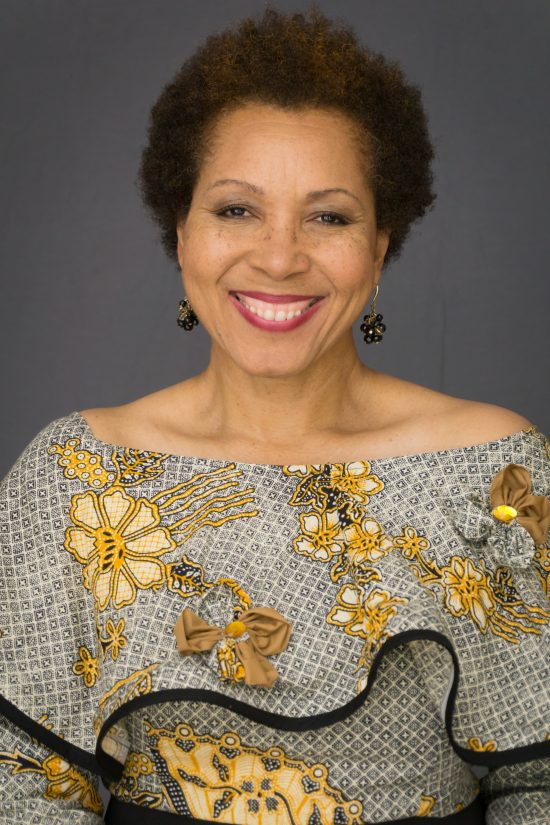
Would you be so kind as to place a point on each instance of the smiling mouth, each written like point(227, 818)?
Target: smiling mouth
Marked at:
point(283, 311)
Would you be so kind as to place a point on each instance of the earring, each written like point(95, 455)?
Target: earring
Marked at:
point(373, 327)
point(186, 317)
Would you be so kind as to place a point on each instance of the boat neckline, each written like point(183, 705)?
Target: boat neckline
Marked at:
point(388, 460)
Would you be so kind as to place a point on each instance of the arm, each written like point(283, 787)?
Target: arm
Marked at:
point(518, 794)
point(37, 786)
point(47, 759)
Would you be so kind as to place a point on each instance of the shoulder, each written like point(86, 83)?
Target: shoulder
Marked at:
point(479, 422)
point(436, 420)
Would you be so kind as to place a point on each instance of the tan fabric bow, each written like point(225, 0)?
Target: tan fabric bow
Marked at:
point(512, 487)
point(268, 632)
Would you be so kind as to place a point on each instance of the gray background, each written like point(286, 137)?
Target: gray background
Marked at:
point(89, 303)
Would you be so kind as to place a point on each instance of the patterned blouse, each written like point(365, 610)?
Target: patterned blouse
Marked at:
point(329, 644)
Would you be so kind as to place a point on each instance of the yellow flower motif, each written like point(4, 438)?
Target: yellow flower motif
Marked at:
point(467, 591)
point(118, 539)
point(475, 744)
point(365, 615)
point(366, 542)
point(115, 639)
point(355, 480)
point(87, 667)
point(321, 536)
point(410, 543)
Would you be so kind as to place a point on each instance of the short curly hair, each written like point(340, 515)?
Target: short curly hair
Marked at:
point(296, 63)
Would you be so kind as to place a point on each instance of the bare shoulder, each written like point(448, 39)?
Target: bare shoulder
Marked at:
point(480, 421)
point(142, 422)
point(438, 421)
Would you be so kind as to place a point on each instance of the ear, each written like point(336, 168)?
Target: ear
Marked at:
point(381, 247)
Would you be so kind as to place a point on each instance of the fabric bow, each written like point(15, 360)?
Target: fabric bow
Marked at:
point(268, 633)
point(512, 523)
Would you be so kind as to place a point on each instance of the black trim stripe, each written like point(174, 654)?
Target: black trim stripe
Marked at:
point(72, 753)
point(125, 813)
point(113, 769)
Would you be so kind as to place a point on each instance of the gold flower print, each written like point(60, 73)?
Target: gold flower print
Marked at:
point(118, 540)
point(224, 780)
point(488, 598)
point(467, 591)
point(330, 486)
point(321, 538)
point(64, 780)
point(87, 667)
point(114, 639)
point(365, 613)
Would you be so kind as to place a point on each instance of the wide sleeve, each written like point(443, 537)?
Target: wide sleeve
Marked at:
point(47, 762)
point(517, 794)
point(40, 787)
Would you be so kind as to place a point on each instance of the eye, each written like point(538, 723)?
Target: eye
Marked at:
point(342, 220)
point(222, 212)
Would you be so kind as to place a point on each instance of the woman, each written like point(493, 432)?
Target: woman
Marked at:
point(291, 589)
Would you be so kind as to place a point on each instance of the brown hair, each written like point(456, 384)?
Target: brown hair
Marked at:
point(296, 63)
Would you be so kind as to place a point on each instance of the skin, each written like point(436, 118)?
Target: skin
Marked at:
point(311, 378)
point(302, 396)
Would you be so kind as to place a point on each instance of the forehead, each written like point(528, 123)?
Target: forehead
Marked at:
point(302, 136)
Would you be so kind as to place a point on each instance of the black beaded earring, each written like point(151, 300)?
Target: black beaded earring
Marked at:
point(186, 317)
point(373, 327)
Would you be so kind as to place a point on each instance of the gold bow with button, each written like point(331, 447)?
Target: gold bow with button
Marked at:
point(511, 498)
point(268, 633)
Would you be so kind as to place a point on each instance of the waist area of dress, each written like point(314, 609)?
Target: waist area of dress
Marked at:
point(126, 813)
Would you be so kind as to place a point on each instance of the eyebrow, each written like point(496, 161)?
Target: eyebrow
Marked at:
point(317, 193)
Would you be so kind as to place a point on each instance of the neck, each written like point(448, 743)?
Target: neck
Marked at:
point(326, 398)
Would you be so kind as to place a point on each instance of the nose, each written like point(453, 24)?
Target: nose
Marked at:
point(279, 251)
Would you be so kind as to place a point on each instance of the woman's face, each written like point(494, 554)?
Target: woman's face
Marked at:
point(273, 230)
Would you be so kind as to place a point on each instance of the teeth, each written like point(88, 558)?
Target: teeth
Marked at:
point(264, 311)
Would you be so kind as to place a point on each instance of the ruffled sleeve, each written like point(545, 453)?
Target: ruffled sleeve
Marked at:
point(47, 763)
point(517, 794)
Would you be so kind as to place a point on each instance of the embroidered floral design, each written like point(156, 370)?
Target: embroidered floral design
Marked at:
point(64, 781)
point(114, 639)
point(228, 781)
point(87, 667)
point(242, 639)
point(511, 522)
point(118, 540)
